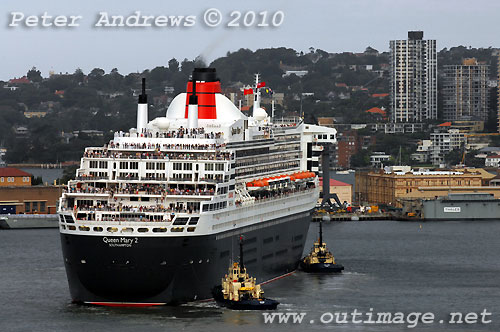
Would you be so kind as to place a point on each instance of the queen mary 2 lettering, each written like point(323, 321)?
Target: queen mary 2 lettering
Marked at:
point(154, 216)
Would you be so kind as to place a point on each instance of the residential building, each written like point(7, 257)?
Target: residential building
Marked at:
point(349, 143)
point(10, 176)
point(492, 161)
point(299, 73)
point(498, 96)
point(327, 122)
point(397, 128)
point(465, 91)
point(377, 159)
point(413, 78)
point(342, 189)
point(35, 114)
point(423, 151)
point(444, 142)
point(394, 184)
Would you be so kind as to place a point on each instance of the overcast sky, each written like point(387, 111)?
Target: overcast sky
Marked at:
point(331, 25)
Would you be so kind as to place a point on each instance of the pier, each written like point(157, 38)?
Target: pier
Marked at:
point(353, 216)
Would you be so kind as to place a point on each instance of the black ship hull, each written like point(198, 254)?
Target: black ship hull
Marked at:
point(119, 270)
point(321, 268)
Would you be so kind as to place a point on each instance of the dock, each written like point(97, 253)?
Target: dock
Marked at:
point(353, 216)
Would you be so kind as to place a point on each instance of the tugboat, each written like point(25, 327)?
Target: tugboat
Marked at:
point(239, 291)
point(320, 259)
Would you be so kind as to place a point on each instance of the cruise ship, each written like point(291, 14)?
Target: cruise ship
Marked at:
point(154, 216)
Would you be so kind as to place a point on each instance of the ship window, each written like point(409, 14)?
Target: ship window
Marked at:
point(180, 221)
point(160, 166)
point(127, 230)
point(72, 228)
point(103, 164)
point(177, 166)
point(188, 166)
point(84, 228)
point(159, 230)
point(267, 256)
point(134, 165)
point(193, 220)
point(27, 206)
point(268, 240)
point(209, 167)
point(69, 219)
point(98, 229)
point(281, 252)
point(177, 229)
point(143, 230)
point(219, 167)
point(112, 229)
point(123, 164)
point(250, 251)
point(251, 240)
point(93, 164)
point(150, 165)
point(231, 187)
point(191, 229)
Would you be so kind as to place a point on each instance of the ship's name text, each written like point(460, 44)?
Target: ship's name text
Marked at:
point(120, 241)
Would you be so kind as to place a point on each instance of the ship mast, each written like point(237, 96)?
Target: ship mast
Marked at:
point(256, 99)
point(320, 233)
point(242, 266)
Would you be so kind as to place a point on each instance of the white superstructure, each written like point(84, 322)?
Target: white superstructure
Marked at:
point(205, 168)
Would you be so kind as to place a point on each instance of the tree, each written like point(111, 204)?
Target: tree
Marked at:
point(78, 76)
point(454, 157)
point(34, 75)
point(96, 72)
point(361, 159)
point(173, 65)
point(68, 174)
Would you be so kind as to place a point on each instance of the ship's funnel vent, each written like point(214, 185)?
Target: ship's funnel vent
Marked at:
point(207, 85)
point(142, 109)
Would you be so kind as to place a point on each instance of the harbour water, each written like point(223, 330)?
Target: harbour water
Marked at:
point(441, 267)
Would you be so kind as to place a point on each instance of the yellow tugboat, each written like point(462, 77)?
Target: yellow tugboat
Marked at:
point(239, 291)
point(320, 259)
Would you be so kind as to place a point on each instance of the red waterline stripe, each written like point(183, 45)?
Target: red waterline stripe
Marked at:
point(126, 304)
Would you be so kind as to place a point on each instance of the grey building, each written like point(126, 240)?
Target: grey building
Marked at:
point(465, 91)
point(413, 78)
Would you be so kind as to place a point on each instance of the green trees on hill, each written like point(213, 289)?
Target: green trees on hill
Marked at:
point(332, 85)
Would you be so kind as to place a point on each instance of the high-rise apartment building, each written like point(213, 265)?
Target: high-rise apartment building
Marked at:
point(465, 91)
point(498, 116)
point(413, 78)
